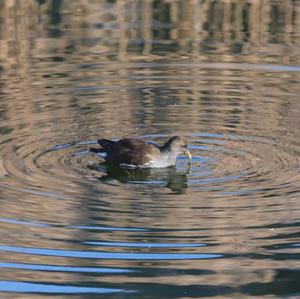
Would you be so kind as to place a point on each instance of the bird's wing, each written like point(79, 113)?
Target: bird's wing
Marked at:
point(132, 151)
point(136, 145)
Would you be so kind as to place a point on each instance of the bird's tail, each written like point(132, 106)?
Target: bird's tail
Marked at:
point(105, 146)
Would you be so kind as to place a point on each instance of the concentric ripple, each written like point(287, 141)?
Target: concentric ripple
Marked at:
point(222, 165)
point(224, 74)
point(74, 225)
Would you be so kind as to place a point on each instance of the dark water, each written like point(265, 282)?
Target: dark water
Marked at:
point(223, 74)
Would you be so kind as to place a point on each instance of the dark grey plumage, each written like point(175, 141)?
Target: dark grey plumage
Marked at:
point(136, 152)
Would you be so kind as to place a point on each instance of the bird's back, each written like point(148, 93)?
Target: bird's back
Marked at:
point(129, 151)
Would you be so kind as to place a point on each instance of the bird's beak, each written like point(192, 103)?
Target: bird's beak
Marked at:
point(187, 153)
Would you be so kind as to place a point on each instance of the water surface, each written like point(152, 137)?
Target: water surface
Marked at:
point(224, 75)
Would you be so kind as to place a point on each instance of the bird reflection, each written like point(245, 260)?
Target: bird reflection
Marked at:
point(169, 177)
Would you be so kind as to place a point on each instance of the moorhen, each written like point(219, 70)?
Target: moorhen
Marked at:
point(134, 152)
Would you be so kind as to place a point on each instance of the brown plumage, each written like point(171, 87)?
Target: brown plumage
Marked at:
point(136, 152)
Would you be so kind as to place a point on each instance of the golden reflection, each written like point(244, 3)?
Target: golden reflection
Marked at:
point(81, 70)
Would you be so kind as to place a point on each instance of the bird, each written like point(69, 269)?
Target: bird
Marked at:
point(133, 152)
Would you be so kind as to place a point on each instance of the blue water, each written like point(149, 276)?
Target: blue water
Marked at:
point(225, 75)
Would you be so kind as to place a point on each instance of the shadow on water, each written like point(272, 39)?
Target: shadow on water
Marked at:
point(170, 177)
